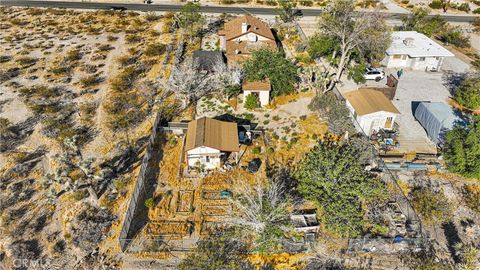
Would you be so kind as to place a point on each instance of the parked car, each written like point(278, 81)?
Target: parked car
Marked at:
point(374, 74)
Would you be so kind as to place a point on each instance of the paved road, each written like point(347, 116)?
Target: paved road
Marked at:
point(176, 7)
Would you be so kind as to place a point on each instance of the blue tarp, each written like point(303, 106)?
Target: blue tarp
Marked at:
point(437, 118)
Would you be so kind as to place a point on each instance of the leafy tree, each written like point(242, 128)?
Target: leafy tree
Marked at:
point(334, 111)
point(232, 90)
point(434, 207)
point(454, 36)
point(251, 102)
point(266, 63)
point(468, 93)
point(319, 45)
point(217, 252)
point(332, 176)
point(286, 10)
point(356, 73)
point(189, 18)
point(420, 22)
point(365, 34)
point(462, 149)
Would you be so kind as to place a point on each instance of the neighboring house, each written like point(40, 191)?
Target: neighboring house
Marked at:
point(410, 49)
point(209, 142)
point(372, 110)
point(259, 88)
point(437, 118)
point(208, 60)
point(243, 35)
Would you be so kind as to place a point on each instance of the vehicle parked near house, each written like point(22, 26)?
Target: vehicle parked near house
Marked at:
point(374, 74)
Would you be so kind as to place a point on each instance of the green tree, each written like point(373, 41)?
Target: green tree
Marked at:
point(217, 252)
point(232, 90)
point(150, 203)
point(332, 176)
point(363, 34)
point(468, 93)
point(286, 10)
point(319, 46)
point(189, 18)
point(462, 149)
point(251, 102)
point(420, 22)
point(266, 63)
point(356, 73)
point(334, 111)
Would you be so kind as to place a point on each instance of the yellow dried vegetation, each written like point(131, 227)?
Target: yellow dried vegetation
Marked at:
point(280, 261)
point(281, 100)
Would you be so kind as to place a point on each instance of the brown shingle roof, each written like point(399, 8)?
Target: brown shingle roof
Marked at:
point(366, 101)
point(257, 85)
point(246, 47)
point(213, 133)
point(233, 29)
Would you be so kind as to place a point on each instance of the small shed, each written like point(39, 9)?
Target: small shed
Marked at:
point(208, 141)
point(259, 88)
point(371, 109)
point(437, 118)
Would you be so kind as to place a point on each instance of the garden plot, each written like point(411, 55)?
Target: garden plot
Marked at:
point(185, 201)
point(168, 228)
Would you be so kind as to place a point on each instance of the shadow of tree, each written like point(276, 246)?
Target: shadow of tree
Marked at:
point(451, 234)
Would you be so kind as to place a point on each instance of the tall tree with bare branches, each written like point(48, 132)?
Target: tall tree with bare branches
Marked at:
point(362, 34)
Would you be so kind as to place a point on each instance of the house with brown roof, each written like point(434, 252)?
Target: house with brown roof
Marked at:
point(209, 142)
point(371, 109)
point(244, 34)
point(259, 88)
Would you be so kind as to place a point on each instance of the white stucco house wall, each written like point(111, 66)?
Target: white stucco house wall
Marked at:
point(371, 109)
point(209, 141)
point(259, 88)
point(410, 49)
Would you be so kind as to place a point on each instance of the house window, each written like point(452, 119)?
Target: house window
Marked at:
point(397, 56)
point(207, 159)
point(421, 59)
point(404, 57)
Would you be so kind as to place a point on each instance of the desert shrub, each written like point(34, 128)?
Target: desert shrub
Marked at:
point(463, 7)
point(125, 79)
point(90, 80)
point(111, 38)
point(73, 55)
point(476, 11)
point(8, 74)
point(124, 110)
point(251, 102)
point(306, 3)
point(42, 91)
point(26, 61)
point(151, 16)
point(256, 150)
point(433, 207)
point(150, 203)
point(5, 58)
point(105, 48)
point(155, 49)
point(127, 60)
point(471, 195)
point(60, 69)
point(133, 39)
point(436, 4)
point(18, 22)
